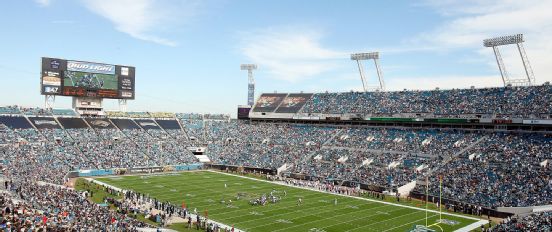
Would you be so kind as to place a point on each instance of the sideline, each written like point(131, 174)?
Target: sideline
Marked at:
point(193, 216)
point(105, 184)
point(467, 228)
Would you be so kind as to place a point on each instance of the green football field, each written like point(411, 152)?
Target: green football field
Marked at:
point(73, 78)
point(205, 190)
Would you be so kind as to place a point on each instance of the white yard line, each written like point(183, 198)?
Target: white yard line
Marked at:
point(276, 208)
point(467, 228)
point(399, 226)
point(325, 211)
point(238, 210)
point(104, 184)
point(189, 213)
point(390, 219)
point(371, 215)
point(233, 212)
point(472, 226)
point(371, 223)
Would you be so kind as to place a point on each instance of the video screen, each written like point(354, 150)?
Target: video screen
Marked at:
point(243, 112)
point(86, 79)
point(293, 103)
point(268, 102)
point(90, 80)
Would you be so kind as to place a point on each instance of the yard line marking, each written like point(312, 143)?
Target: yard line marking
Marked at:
point(326, 211)
point(165, 192)
point(371, 215)
point(378, 222)
point(232, 212)
point(320, 212)
point(473, 225)
point(435, 215)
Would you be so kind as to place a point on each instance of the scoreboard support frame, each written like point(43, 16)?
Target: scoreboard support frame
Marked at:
point(122, 105)
point(49, 101)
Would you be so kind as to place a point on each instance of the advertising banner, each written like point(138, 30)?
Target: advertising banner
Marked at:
point(89, 67)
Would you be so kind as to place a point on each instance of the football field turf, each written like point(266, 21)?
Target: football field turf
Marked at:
point(109, 81)
point(205, 190)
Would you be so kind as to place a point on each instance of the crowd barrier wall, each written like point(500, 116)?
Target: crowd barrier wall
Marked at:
point(122, 171)
point(445, 201)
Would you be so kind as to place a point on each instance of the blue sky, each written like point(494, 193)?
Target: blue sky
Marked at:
point(187, 53)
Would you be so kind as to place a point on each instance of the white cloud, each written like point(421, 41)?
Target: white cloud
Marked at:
point(467, 23)
point(295, 54)
point(142, 19)
point(291, 54)
point(44, 3)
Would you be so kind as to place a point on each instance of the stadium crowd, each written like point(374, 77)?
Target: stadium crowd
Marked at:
point(503, 170)
point(44, 207)
point(533, 222)
point(489, 169)
point(36, 163)
point(510, 102)
point(423, 141)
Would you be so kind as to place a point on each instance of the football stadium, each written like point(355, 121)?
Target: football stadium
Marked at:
point(380, 157)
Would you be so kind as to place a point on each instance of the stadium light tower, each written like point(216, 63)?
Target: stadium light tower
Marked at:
point(359, 57)
point(507, 40)
point(251, 85)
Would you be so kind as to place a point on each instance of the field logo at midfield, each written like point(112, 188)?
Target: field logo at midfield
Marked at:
point(420, 228)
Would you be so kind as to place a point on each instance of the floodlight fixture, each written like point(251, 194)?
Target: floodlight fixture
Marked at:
point(365, 56)
point(503, 40)
point(248, 66)
point(359, 57)
point(508, 40)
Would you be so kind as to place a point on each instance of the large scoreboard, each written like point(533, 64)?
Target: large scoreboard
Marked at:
point(86, 79)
